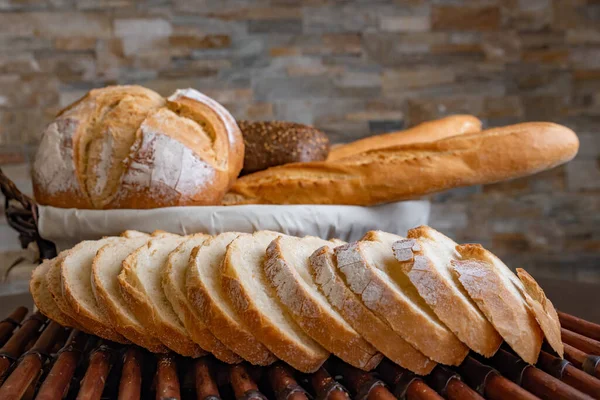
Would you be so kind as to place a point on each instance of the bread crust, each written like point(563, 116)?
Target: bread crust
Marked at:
point(315, 319)
point(230, 331)
point(543, 310)
point(419, 256)
point(425, 132)
point(499, 300)
point(121, 322)
point(195, 326)
point(366, 323)
point(299, 356)
point(428, 336)
point(135, 296)
point(408, 171)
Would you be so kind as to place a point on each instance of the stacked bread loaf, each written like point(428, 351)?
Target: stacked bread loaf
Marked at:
point(259, 297)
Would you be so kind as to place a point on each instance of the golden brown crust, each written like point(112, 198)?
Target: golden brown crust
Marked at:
point(425, 258)
point(425, 132)
point(407, 316)
point(371, 327)
point(227, 329)
point(408, 171)
point(543, 310)
point(315, 318)
point(499, 299)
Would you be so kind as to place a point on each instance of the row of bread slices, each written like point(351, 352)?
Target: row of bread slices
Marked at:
point(259, 297)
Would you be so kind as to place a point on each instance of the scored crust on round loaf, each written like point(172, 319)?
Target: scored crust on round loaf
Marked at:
point(76, 271)
point(287, 270)
point(425, 132)
point(543, 310)
point(42, 297)
point(140, 285)
point(204, 291)
point(105, 270)
point(425, 258)
point(371, 327)
point(173, 284)
point(257, 305)
point(483, 276)
point(372, 272)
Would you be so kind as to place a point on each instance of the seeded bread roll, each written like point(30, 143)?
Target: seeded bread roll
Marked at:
point(272, 143)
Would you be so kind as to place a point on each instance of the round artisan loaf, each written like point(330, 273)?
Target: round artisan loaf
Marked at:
point(272, 143)
point(128, 147)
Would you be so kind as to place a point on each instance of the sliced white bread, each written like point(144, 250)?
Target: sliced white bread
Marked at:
point(372, 272)
point(287, 269)
point(131, 234)
point(204, 291)
point(105, 270)
point(76, 271)
point(489, 284)
point(257, 306)
point(42, 297)
point(543, 310)
point(141, 287)
point(372, 328)
point(173, 283)
point(425, 258)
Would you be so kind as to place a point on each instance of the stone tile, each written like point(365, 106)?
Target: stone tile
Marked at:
point(258, 13)
point(500, 107)
point(384, 126)
point(20, 174)
point(142, 27)
point(583, 174)
point(275, 26)
point(465, 18)
point(55, 24)
point(75, 43)
point(208, 41)
point(449, 216)
point(24, 63)
point(405, 23)
point(407, 78)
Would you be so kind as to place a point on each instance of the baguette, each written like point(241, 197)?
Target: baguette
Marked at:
point(259, 309)
point(543, 310)
point(287, 270)
point(326, 275)
point(203, 282)
point(425, 132)
point(140, 285)
point(489, 284)
point(425, 258)
point(372, 272)
point(105, 270)
point(409, 171)
point(173, 283)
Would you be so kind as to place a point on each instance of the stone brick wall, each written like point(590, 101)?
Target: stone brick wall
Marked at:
point(352, 68)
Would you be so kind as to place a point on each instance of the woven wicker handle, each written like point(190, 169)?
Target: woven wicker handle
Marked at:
point(21, 214)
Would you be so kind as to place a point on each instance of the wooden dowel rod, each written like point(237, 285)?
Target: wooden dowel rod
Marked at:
point(401, 382)
point(566, 372)
point(447, 383)
point(579, 325)
point(363, 384)
point(167, 386)
point(95, 376)
point(206, 386)
point(574, 355)
point(57, 381)
point(130, 385)
point(583, 343)
point(283, 383)
point(9, 324)
point(326, 387)
point(15, 346)
point(30, 366)
point(458, 390)
point(242, 383)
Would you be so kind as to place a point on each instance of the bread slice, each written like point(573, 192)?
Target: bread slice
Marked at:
point(173, 284)
point(490, 284)
point(140, 284)
point(372, 328)
point(105, 270)
point(372, 272)
point(256, 304)
point(76, 271)
point(425, 258)
point(42, 297)
point(543, 310)
point(287, 269)
point(204, 292)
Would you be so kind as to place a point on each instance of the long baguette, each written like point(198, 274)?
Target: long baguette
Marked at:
point(426, 132)
point(408, 171)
